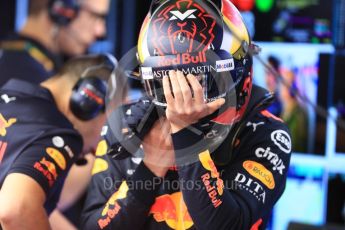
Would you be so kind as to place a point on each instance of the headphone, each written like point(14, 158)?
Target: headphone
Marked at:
point(89, 93)
point(62, 12)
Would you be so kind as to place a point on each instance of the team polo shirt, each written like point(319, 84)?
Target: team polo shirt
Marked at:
point(36, 139)
point(26, 59)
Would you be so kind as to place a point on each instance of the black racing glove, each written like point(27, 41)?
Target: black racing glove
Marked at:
point(137, 120)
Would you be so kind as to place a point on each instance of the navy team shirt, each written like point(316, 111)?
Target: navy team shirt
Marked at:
point(26, 59)
point(36, 139)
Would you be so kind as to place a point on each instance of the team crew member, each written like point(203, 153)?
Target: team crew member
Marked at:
point(54, 31)
point(231, 155)
point(43, 129)
point(54, 28)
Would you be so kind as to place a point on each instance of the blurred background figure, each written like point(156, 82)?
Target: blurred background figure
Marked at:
point(272, 85)
point(51, 127)
point(293, 113)
point(88, 26)
point(54, 30)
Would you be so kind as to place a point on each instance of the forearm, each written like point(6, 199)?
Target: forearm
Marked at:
point(26, 219)
point(22, 204)
point(76, 183)
point(59, 222)
point(209, 203)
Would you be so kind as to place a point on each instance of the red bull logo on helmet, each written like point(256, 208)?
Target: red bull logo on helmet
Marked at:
point(183, 59)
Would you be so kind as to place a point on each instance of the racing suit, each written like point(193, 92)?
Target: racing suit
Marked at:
point(125, 194)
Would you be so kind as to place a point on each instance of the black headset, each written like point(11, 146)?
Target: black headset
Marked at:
point(89, 93)
point(62, 12)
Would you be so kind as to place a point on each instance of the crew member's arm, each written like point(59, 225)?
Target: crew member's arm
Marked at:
point(76, 183)
point(117, 201)
point(58, 221)
point(74, 187)
point(34, 180)
point(22, 204)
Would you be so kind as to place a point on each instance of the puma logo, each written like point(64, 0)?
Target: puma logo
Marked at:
point(255, 125)
point(7, 99)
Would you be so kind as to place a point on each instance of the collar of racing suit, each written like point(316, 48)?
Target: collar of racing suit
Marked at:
point(260, 99)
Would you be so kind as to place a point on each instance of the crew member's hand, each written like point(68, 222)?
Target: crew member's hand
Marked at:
point(158, 148)
point(182, 108)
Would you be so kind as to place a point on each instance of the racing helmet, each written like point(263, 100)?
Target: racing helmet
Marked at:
point(205, 38)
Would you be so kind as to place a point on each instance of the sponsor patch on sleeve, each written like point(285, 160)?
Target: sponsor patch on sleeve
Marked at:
point(273, 158)
point(259, 171)
point(58, 142)
point(57, 156)
point(48, 169)
point(282, 139)
point(246, 183)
